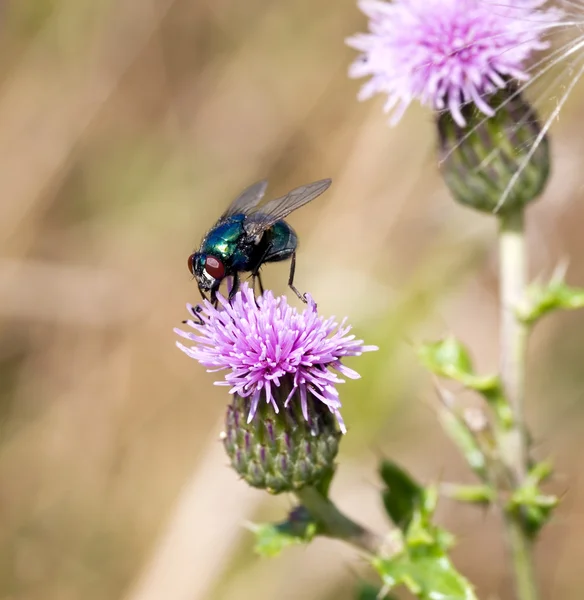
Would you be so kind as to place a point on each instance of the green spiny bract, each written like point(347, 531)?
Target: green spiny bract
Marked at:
point(281, 452)
point(495, 164)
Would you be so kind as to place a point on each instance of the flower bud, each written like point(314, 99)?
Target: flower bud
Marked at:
point(283, 451)
point(495, 164)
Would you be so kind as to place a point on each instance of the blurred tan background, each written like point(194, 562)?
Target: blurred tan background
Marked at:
point(126, 127)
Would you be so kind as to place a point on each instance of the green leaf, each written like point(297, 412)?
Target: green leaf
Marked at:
point(430, 576)
point(470, 494)
point(556, 295)
point(272, 538)
point(423, 565)
point(401, 493)
point(422, 533)
point(540, 472)
point(449, 358)
point(530, 504)
point(459, 432)
point(366, 591)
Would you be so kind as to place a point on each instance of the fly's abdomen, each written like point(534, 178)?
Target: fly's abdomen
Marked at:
point(283, 242)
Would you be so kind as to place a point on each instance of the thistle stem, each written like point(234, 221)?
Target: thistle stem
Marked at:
point(520, 548)
point(337, 525)
point(513, 334)
point(512, 440)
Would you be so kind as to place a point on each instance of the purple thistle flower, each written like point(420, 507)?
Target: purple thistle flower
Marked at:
point(446, 53)
point(264, 342)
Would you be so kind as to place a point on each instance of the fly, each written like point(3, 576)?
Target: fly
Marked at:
point(249, 235)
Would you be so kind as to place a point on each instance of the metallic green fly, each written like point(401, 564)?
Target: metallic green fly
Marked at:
point(248, 235)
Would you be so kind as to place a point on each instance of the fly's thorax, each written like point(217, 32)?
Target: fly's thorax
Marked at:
point(223, 240)
point(218, 252)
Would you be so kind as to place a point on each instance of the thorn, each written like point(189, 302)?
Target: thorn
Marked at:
point(475, 420)
point(250, 526)
point(446, 397)
point(383, 592)
point(559, 274)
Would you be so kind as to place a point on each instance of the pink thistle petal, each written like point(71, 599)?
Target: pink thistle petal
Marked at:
point(253, 406)
point(346, 371)
point(446, 53)
point(340, 421)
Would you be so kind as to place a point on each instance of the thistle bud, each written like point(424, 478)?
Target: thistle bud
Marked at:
point(281, 451)
point(495, 164)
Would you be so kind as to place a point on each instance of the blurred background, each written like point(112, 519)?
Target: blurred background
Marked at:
point(126, 127)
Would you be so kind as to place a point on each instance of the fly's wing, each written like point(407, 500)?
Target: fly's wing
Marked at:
point(280, 208)
point(246, 202)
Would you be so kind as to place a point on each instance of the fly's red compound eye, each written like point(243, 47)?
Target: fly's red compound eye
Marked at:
point(214, 267)
point(191, 264)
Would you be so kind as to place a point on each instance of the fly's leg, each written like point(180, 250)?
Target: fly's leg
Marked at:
point(198, 309)
point(214, 299)
point(195, 312)
point(256, 276)
point(203, 295)
point(291, 280)
point(234, 287)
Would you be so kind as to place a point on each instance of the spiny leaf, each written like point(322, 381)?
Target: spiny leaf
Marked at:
point(462, 436)
point(366, 591)
point(428, 577)
point(556, 295)
point(423, 565)
point(272, 538)
point(471, 494)
point(529, 504)
point(401, 493)
point(449, 358)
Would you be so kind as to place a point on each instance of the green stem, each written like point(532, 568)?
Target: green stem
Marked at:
point(521, 550)
point(337, 525)
point(513, 336)
point(512, 439)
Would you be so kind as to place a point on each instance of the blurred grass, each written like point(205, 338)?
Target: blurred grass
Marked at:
point(125, 128)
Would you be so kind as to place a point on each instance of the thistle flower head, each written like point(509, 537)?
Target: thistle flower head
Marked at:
point(266, 346)
point(446, 53)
